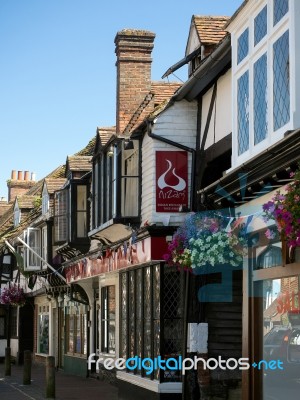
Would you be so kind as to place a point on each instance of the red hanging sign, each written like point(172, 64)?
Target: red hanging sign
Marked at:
point(171, 181)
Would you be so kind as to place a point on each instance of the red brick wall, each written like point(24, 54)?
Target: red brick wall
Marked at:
point(133, 50)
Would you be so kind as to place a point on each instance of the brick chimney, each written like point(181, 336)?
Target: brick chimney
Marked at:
point(133, 50)
point(19, 184)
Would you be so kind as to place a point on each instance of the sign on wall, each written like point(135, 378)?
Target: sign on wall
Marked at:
point(171, 181)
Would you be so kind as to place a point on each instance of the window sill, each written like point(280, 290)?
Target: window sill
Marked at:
point(41, 354)
point(154, 386)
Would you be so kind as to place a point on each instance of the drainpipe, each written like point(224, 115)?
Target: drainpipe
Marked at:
point(179, 146)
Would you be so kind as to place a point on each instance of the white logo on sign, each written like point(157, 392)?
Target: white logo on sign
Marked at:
point(163, 184)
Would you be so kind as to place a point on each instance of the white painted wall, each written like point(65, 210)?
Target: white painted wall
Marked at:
point(221, 123)
point(193, 41)
point(177, 123)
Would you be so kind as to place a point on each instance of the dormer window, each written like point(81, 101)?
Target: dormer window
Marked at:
point(261, 80)
point(45, 200)
point(17, 215)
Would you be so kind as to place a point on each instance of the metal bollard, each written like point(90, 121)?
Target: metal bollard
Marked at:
point(27, 368)
point(50, 377)
point(7, 362)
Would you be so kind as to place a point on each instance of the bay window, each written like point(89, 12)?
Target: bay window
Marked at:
point(71, 214)
point(261, 80)
point(116, 183)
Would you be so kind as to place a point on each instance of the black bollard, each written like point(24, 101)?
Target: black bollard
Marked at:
point(7, 362)
point(27, 368)
point(50, 377)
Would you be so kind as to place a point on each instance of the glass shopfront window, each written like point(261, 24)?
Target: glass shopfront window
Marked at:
point(76, 330)
point(280, 334)
point(43, 330)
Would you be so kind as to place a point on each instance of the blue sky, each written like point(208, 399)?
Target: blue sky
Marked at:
point(57, 70)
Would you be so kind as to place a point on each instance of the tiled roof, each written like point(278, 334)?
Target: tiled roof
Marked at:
point(163, 90)
point(26, 201)
point(105, 133)
point(79, 163)
point(88, 150)
point(160, 93)
point(210, 28)
point(54, 184)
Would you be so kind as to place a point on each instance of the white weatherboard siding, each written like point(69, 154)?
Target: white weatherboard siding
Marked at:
point(179, 124)
point(220, 123)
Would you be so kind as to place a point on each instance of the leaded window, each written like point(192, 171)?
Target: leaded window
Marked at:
point(262, 80)
point(260, 25)
point(243, 46)
point(281, 81)
point(260, 99)
point(152, 316)
point(243, 113)
point(280, 9)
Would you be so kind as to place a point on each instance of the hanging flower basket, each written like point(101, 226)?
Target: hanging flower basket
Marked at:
point(13, 295)
point(284, 209)
point(204, 242)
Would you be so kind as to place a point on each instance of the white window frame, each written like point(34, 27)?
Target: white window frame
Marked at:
point(17, 215)
point(255, 52)
point(45, 200)
point(36, 248)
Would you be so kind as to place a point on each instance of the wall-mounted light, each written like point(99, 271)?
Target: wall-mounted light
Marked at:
point(110, 152)
point(128, 144)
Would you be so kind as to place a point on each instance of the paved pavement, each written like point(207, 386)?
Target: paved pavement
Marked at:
point(68, 387)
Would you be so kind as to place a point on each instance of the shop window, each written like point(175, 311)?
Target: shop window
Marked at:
point(76, 329)
point(151, 317)
point(43, 330)
point(108, 319)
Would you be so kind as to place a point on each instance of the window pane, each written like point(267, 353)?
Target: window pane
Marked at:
point(281, 7)
point(281, 83)
point(260, 25)
point(43, 334)
point(260, 100)
point(130, 190)
point(243, 113)
point(61, 216)
point(243, 46)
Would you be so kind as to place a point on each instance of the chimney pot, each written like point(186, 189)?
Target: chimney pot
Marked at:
point(33, 176)
point(13, 175)
point(20, 175)
point(26, 176)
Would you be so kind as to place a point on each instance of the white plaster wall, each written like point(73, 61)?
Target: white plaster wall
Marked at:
point(193, 42)
point(179, 124)
point(221, 122)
